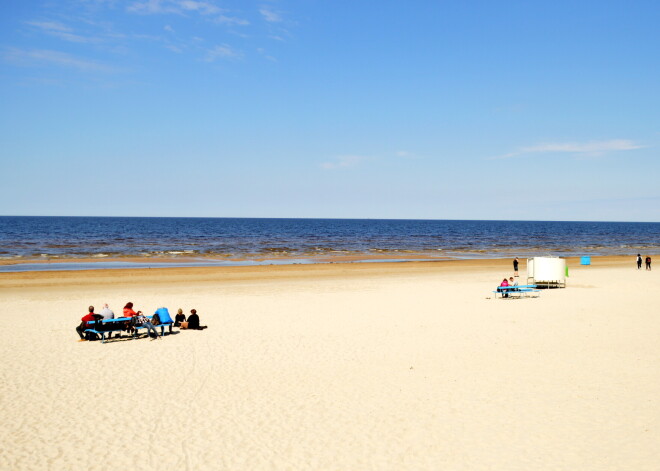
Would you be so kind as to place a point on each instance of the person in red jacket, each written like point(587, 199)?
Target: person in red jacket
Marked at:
point(128, 310)
point(90, 317)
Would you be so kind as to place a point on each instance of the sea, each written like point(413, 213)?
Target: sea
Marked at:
point(29, 243)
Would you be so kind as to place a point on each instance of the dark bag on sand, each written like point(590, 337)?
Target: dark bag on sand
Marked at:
point(155, 319)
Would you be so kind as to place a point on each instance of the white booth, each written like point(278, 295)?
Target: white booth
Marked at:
point(546, 272)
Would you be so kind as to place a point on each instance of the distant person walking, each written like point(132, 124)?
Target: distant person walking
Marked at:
point(639, 261)
point(515, 266)
point(648, 262)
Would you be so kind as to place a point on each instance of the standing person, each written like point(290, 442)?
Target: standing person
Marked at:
point(639, 261)
point(106, 312)
point(515, 267)
point(89, 317)
point(648, 262)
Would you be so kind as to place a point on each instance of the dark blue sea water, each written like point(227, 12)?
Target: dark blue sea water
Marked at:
point(233, 239)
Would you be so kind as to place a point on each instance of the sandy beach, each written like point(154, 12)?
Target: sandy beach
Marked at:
point(369, 366)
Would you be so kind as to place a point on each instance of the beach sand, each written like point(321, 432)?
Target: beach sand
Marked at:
point(370, 366)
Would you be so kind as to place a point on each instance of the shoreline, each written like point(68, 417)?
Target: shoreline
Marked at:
point(225, 261)
point(257, 273)
point(84, 264)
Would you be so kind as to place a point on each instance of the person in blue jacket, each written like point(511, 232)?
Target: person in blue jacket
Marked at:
point(163, 315)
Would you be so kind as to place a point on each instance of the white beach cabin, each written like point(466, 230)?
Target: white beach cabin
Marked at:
point(546, 272)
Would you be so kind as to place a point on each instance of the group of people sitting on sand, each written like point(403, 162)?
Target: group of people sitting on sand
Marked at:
point(132, 320)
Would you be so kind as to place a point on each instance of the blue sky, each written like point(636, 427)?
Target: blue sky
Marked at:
point(389, 109)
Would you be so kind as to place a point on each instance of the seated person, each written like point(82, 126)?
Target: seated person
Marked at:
point(89, 317)
point(513, 283)
point(179, 318)
point(107, 313)
point(128, 310)
point(162, 316)
point(504, 284)
point(140, 320)
point(193, 322)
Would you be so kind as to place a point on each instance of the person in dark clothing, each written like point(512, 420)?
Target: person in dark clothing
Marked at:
point(179, 318)
point(639, 261)
point(515, 266)
point(648, 262)
point(193, 321)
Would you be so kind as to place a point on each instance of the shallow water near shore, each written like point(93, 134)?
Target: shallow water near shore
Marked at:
point(239, 241)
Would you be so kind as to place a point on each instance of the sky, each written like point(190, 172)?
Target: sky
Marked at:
point(514, 110)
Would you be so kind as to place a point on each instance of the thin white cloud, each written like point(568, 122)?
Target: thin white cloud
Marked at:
point(205, 8)
point(590, 149)
point(49, 57)
point(269, 15)
point(50, 26)
point(265, 54)
point(88, 27)
point(61, 31)
point(343, 161)
point(147, 7)
point(174, 48)
point(231, 20)
point(223, 51)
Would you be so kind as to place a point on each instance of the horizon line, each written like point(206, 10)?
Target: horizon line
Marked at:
point(326, 218)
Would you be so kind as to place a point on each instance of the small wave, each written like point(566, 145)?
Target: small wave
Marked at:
point(277, 250)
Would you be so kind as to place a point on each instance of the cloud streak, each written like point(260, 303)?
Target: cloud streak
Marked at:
point(50, 57)
point(269, 15)
point(589, 149)
point(231, 20)
point(222, 51)
point(148, 7)
point(61, 31)
point(343, 161)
